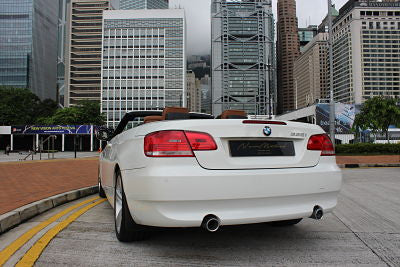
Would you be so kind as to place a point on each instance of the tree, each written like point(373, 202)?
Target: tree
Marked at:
point(200, 72)
point(86, 112)
point(90, 113)
point(377, 114)
point(18, 106)
point(47, 108)
point(21, 107)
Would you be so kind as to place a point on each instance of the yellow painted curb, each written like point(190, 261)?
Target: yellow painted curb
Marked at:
point(34, 252)
point(6, 253)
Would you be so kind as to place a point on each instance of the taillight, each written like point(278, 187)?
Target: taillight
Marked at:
point(201, 141)
point(177, 143)
point(323, 143)
point(167, 144)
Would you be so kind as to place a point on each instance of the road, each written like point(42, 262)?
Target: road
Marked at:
point(363, 230)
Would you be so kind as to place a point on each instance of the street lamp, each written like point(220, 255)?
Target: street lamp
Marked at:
point(332, 102)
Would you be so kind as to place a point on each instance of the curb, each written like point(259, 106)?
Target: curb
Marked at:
point(369, 165)
point(13, 218)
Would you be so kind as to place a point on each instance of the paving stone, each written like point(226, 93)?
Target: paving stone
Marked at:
point(22, 183)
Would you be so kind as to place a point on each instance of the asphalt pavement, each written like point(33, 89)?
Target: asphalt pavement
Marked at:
point(363, 230)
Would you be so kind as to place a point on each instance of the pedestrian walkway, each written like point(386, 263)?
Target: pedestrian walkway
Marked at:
point(384, 159)
point(58, 155)
point(22, 183)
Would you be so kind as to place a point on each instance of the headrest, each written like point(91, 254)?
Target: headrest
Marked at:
point(175, 113)
point(233, 114)
point(152, 119)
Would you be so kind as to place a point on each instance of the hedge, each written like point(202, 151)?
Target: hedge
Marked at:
point(368, 148)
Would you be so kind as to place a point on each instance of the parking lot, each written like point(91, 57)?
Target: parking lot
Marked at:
point(363, 230)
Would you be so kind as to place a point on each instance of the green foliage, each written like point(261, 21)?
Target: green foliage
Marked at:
point(47, 108)
point(377, 114)
point(22, 107)
point(201, 72)
point(368, 148)
point(18, 106)
point(86, 112)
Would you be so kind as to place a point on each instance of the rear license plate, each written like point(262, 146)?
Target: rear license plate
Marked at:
point(261, 148)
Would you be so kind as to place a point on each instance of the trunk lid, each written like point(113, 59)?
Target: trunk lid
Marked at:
point(248, 146)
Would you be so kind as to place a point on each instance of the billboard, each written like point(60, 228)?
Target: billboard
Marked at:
point(52, 129)
point(344, 117)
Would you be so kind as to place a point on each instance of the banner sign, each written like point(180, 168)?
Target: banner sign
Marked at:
point(52, 129)
point(378, 4)
point(344, 117)
point(5, 129)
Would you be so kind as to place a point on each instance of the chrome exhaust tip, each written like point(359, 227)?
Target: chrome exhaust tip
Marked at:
point(318, 213)
point(211, 223)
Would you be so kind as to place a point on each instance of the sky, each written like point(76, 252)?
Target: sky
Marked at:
point(199, 28)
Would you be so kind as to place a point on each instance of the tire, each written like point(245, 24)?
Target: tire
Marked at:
point(285, 223)
point(126, 229)
point(102, 194)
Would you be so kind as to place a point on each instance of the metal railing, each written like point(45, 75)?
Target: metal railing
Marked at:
point(50, 140)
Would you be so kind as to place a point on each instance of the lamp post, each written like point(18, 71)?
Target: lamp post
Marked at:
point(332, 102)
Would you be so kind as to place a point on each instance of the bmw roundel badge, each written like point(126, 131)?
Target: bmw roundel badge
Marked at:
point(267, 131)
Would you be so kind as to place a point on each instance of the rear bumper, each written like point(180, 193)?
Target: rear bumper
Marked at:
point(182, 196)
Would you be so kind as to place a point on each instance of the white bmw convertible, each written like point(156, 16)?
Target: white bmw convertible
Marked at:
point(181, 169)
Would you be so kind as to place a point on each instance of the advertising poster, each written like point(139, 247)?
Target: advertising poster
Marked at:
point(344, 117)
point(51, 129)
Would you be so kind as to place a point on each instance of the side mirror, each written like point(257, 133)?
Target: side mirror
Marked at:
point(104, 134)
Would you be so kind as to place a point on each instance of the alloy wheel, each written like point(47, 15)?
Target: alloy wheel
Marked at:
point(118, 203)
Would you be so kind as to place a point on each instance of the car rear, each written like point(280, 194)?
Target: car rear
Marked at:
point(240, 171)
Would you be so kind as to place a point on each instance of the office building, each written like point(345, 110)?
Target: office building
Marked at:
point(28, 45)
point(62, 27)
point(141, 4)
point(311, 72)
point(144, 63)
point(307, 34)
point(287, 52)
point(243, 56)
point(206, 97)
point(83, 50)
point(366, 51)
point(193, 92)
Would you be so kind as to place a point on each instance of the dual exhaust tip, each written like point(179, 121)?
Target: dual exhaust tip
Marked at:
point(212, 223)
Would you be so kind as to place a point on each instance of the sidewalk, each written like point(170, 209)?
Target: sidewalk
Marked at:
point(58, 155)
point(393, 159)
point(22, 183)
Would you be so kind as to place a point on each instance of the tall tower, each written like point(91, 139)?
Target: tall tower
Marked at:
point(83, 50)
point(143, 61)
point(243, 59)
point(287, 51)
point(28, 45)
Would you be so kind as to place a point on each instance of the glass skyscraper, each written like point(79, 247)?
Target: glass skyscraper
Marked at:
point(143, 4)
point(243, 56)
point(28, 45)
point(143, 61)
